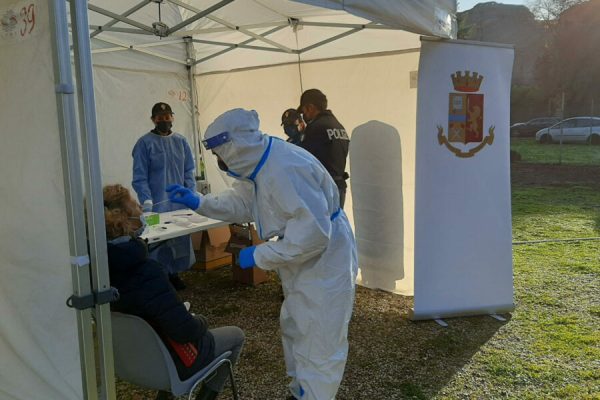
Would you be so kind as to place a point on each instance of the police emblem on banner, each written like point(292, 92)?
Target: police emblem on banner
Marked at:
point(465, 117)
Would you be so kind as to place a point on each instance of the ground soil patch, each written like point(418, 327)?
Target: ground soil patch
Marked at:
point(526, 174)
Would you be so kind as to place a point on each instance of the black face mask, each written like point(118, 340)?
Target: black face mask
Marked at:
point(222, 165)
point(164, 126)
point(291, 130)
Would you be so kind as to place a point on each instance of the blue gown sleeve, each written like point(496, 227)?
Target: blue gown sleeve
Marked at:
point(189, 174)
point(140, 171)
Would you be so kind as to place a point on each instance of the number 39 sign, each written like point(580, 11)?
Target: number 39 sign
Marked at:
point(18, 22)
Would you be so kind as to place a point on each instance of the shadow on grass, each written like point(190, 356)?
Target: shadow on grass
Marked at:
point(394, 358)
point(390, 357)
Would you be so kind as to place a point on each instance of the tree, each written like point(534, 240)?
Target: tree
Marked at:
point(570, 64)
point(550, 10)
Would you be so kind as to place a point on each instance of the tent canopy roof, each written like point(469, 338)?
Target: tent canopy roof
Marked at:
point(230, 34)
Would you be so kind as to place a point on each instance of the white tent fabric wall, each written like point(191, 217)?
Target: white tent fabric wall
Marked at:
point(358, 89)
point(39, 351)
point(124, 101)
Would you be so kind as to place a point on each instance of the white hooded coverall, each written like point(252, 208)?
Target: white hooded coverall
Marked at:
point(290, 195)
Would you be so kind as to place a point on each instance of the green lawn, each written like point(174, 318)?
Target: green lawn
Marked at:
point(555, 213)
point(550, 348)
point(572, 154)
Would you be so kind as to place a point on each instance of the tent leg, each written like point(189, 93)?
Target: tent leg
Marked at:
point(93, 186)
point(80, 271)
point(191, 58)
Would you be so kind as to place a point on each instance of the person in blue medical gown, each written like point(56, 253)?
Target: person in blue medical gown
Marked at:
point(160, 158)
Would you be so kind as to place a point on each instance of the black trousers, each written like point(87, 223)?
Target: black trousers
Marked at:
point(342, 196)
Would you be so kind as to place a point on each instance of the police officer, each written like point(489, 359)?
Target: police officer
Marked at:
point(293, 125)
point(325, 138)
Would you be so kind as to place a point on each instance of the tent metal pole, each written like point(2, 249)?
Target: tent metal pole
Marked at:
point(101, 28)
point(145, 45)
point(138, 49)
point(233, 47)
point(340, 25)
point(201, 31)
point(331, 39)
point(123, 46)
point(191, 57)
point(233, 27)
point(127, 13)
point(119, 18)
point(240, 46)
point(251, 34)
point(80, 265)
point(94, 198)
point(199, 14)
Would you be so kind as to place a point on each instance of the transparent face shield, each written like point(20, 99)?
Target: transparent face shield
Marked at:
point(216, 140)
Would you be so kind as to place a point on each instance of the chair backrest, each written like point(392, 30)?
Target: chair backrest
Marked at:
point(140, 356)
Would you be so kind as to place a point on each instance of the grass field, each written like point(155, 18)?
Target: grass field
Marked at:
point(572, 154)
point(550, 348)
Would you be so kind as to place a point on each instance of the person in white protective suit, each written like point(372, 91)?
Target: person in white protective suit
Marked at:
point(289, 195)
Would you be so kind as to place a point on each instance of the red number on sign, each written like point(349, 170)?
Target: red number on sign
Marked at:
point(23, 15)
point(28, 15)
point(31, 16)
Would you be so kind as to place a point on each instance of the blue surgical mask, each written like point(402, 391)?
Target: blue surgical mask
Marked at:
point(138, 232)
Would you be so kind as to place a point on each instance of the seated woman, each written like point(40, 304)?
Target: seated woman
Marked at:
point(145, 291)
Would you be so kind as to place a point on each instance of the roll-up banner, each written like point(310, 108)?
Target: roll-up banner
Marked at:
point(463, 253)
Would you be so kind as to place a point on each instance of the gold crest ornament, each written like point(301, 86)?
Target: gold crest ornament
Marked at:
point(465, 116)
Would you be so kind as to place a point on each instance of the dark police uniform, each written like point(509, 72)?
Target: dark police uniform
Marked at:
point(327, 140)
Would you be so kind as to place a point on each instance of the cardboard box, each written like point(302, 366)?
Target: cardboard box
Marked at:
point(244, 236)
point(209, 247)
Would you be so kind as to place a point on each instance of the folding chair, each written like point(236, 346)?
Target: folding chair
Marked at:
point(141, 358)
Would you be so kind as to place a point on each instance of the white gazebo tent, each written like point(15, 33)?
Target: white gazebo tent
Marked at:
point(202, 57)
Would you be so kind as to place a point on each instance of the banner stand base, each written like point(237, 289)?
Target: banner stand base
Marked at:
point(439, 315)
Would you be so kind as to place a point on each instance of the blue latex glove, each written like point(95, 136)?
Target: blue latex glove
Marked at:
point(182, 195)
point(247, 257)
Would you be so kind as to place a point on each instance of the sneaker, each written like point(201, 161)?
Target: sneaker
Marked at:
point(176, 282)
point(187, 305)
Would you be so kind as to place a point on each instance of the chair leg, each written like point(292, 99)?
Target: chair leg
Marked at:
point(232, 379)
point(206, 394)
point(162, 395)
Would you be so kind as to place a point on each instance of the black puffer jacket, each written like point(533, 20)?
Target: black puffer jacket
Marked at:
point(327, 140)
point(146, 292)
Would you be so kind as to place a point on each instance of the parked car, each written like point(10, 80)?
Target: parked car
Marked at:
point(529, 128)
point(573, 130)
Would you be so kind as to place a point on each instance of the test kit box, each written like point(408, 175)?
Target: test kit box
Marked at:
point(209, 247)
point(243, 236)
